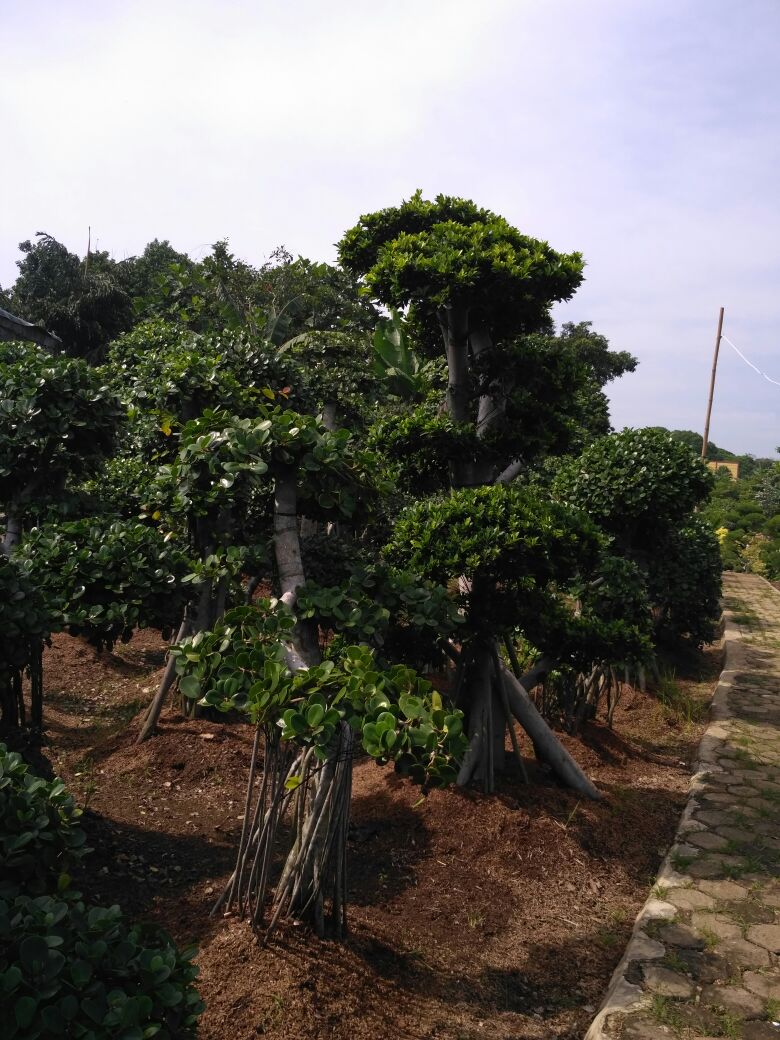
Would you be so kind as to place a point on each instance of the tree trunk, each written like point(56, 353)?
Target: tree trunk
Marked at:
point(13, 533)
point(304, 651)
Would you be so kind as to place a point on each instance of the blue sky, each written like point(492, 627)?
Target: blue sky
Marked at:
point(644, 134)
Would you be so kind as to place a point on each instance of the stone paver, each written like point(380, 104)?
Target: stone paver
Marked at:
point(706, 962)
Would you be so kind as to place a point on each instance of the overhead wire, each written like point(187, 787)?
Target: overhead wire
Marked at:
point(748, 362)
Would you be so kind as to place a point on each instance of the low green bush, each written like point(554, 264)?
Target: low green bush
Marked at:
point(68, 969)
point(85, 972)
point(40, 835)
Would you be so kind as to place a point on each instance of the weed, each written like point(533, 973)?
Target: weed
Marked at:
point(730, 1025)
point(659, 891)
point(680, 862)
point(606, 937)
point(665, 1012)
point(710, 938)
point(273, 1015)
point(675, 962)
point(85, 770)
point(678, 706)
point(475, 920)
point(773, 1010)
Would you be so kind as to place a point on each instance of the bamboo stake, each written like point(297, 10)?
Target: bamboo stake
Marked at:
point(712, 386)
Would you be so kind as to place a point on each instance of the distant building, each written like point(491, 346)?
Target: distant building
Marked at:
point(732, 467)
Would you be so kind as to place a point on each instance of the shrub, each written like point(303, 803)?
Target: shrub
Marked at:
point(40, 836)
point(71, 970)
point(104, 579)
point(685, 583)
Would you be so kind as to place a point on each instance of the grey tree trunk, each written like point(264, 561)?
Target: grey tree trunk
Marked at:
point(13, 533)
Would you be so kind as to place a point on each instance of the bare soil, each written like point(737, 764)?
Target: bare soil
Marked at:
point(471, 916)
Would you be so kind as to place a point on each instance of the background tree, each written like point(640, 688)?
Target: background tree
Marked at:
point(85, 303)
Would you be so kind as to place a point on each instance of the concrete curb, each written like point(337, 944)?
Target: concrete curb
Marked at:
point(623, 996)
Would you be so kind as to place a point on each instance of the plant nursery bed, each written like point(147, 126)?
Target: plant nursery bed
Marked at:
point(470, 916)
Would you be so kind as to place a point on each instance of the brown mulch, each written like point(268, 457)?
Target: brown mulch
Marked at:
point(470, 917)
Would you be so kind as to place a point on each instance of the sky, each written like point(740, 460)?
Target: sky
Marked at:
point(643, 133)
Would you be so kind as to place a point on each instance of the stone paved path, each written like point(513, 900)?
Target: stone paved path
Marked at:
point(704, 960)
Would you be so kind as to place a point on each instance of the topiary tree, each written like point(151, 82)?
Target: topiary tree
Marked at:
point(478, 278)
point(525, 565)
point(312, 720)
point(514, 392)
point(641, 487)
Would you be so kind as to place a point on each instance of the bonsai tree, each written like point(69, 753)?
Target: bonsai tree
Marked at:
point(641, 487)
point(488, 289)
point(478, 278)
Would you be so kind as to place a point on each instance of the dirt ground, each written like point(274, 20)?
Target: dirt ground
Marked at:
point(471, 916)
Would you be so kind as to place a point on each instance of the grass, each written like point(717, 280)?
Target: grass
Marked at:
point(773, 1010)
point(86, 772)
point(730, 1025)
point(678, 706)
point(710, 938)
point(680, 862)
point(665, 1012)
point(674, 962)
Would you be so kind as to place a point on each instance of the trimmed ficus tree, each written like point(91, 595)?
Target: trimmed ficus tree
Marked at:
point(238, 481)
point(312, 720)
point(488, 289)
point(520, 564)
point(641, 487)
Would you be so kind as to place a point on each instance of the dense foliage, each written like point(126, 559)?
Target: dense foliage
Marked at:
point(40, 834)
point(103, 580)
point(641, 486)
point(58, 421)
point(68, 969)
point(25, 623)
point(437, 488)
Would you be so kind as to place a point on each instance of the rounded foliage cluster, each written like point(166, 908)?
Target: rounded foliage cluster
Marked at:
point(499, 533)
point(511, 548)
point(451, 253)
point(104, 579)
point(630, 482)
point(57, 419)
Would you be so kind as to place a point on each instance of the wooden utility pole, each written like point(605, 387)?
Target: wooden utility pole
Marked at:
point(89, 246)
point(712, 387)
